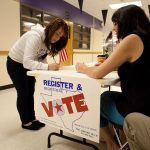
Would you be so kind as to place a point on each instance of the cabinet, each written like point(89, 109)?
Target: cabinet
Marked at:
point(81, 37)
point(31, 16)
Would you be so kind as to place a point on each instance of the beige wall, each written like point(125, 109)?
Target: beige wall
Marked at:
point(9, 33)
point(4, 78)
point(97, 38)
point(10, 23)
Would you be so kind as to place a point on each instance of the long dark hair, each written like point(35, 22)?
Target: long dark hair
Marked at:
point(50, 29)
point(131, 19)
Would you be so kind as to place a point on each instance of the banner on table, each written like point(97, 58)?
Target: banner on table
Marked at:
point(70, 104)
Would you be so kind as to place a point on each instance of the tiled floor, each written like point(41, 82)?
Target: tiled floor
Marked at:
point(13, 137)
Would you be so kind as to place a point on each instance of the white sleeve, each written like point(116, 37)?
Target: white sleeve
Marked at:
point(30, 58)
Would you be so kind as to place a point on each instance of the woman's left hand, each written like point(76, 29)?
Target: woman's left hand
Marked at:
point(80, 67)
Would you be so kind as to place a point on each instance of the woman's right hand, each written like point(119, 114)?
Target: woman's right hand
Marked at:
point(53, 66)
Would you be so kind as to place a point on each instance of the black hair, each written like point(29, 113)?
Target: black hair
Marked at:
point(50, 29)
point(109, 36)
point(131, 19)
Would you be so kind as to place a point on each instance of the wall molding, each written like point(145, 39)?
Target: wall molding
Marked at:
point(4, 87)
point(86, 52)
point(3, 52)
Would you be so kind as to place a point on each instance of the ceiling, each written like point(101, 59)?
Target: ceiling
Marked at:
point(94, 7)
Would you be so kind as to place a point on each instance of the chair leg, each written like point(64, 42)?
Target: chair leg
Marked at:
point(122, 146)
point(117, 136)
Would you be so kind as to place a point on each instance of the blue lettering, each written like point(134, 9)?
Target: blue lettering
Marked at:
point(60, 84)
point(45, 82)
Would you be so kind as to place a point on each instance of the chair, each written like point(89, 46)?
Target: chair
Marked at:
point(116, 128)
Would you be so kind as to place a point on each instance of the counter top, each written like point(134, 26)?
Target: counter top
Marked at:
point(69, 71)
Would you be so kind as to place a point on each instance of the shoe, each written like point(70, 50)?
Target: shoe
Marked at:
point(32, 126)
point(37, 122)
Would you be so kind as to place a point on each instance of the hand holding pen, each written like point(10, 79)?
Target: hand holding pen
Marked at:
point(54, 66)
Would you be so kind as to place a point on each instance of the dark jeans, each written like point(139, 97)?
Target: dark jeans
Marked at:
point(25, 90)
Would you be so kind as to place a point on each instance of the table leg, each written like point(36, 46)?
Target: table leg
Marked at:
point(84, 142)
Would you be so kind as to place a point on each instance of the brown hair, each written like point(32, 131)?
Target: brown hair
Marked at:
point(50, 29)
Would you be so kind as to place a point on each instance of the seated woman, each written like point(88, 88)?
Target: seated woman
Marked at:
point(131, 57)
point(137, 129)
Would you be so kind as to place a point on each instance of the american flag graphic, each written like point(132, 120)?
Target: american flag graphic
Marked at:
point(63, 55)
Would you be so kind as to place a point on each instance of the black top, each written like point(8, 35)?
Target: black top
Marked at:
point(135, 83)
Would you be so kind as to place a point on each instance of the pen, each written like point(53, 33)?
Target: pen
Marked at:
point(54, 59)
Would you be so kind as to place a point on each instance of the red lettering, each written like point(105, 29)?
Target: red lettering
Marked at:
point(49, 110)
point(67, 101)
point(79, 103)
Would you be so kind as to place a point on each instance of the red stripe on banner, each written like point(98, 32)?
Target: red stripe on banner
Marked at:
point(63, 55)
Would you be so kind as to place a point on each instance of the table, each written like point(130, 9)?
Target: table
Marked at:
point(70, 101)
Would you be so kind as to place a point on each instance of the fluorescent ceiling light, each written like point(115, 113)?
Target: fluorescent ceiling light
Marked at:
point(118, 5)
